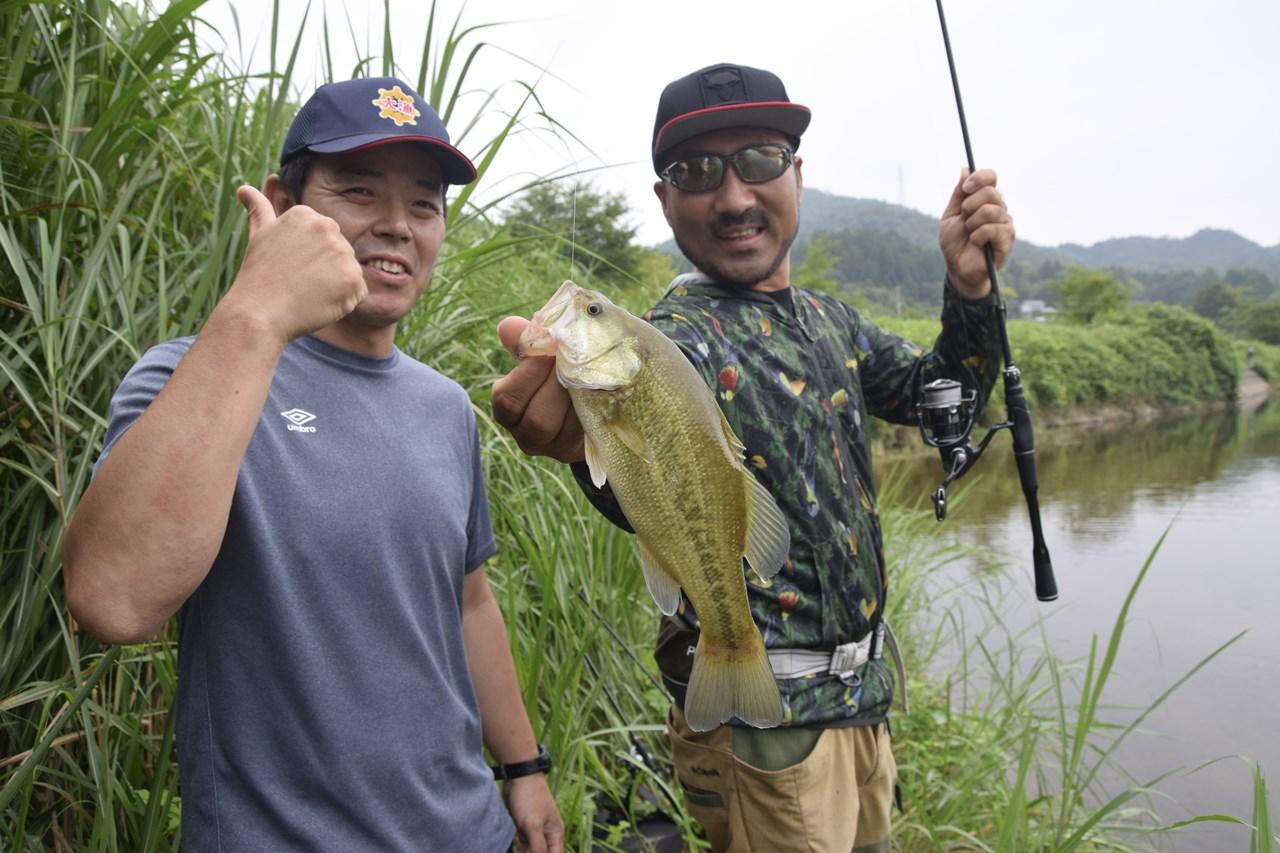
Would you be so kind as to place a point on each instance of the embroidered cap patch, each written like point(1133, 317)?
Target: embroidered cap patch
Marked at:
point(396, 105)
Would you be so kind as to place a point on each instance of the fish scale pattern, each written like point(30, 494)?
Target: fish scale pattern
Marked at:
point(687, 495)
point(797, 375)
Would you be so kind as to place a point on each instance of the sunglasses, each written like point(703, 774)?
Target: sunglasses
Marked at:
point(755, 164)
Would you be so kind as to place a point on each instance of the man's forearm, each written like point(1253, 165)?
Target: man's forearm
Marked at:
point(969, 348)
point(507, 731)
point(150, 524)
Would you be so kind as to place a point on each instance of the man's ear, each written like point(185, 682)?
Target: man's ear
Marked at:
point(660, 190)
point(277, 194)
point(799, 177)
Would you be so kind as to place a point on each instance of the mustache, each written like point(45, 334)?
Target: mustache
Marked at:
point(729, 221)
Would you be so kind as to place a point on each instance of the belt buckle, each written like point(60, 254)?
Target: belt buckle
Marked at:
point(845, 661)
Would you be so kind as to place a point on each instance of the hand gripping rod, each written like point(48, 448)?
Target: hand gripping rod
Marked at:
point(1024, 450)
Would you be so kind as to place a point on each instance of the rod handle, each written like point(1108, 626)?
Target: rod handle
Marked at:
point(1046, 584)
point(1024, 453)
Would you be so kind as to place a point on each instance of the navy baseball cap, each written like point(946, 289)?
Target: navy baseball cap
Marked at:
point(721, 96)
point(356, 114)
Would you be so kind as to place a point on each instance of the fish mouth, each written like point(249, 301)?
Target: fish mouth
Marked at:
point(539, 337)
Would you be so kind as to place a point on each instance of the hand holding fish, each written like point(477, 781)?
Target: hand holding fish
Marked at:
point(532, 404)
point(651, 429)
point(975, 216)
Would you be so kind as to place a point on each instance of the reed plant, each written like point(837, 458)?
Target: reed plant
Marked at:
point(123, 139)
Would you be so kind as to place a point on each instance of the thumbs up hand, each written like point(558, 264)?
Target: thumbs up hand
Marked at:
point(299, 273)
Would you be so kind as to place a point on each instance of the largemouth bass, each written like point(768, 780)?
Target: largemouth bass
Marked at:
point(655, 434)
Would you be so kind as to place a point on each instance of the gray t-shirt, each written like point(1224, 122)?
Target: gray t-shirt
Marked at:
point(324, 700)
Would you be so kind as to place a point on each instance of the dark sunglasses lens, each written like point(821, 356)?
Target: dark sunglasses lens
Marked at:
point(697, 173)
point(762, 163)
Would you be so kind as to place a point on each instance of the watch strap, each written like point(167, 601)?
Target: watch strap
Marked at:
point(539, 764)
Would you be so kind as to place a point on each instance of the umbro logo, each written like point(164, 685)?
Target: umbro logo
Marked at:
point(298, 420)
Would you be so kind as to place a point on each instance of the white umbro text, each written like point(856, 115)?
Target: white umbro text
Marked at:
point(298, 420)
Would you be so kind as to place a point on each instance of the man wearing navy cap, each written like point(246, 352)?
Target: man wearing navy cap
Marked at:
point(796, 373)
point(309, 501)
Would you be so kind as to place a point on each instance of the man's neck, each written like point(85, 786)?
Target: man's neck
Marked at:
point(368, 341)
point(780, 278)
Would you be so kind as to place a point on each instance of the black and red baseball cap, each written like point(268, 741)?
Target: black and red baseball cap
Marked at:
point(721, 96)
point(355, 114)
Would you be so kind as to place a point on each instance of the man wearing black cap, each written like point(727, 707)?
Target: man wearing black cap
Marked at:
point(310, 501)
point(796, 373)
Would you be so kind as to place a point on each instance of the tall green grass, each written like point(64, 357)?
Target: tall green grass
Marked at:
point(123, 139)
point(112, 156)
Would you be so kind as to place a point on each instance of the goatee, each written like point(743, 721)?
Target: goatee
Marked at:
point(722, 276)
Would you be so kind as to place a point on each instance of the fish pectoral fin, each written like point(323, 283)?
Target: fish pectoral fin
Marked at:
point(662, 586)
point(729, 435)
point(768, 537)
point(632, 438)
point(595, 462)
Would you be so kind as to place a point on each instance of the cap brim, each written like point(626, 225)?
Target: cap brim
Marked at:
point(782, 116)
point(455, 168)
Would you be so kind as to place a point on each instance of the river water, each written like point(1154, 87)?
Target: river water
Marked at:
point(1212, 482)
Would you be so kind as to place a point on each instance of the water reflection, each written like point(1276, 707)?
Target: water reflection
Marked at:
point(1095, 476)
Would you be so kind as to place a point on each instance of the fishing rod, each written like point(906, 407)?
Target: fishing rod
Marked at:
point(657, 830)
point(946, 413)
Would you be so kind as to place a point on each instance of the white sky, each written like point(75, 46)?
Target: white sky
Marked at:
point(1104, 118)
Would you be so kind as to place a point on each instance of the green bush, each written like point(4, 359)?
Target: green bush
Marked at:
point(1157, 355)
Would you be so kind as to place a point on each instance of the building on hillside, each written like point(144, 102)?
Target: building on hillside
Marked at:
point(1036, 309)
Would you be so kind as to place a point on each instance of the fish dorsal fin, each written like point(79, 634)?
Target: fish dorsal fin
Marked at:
point(595, 461)
point(662, 586)
point(729, 435)
point(768, 537)
point(627, 433)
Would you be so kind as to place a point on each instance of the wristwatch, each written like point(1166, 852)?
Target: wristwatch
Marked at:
point(540, 764)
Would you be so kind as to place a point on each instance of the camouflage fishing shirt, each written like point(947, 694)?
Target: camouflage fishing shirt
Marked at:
point(797, 373)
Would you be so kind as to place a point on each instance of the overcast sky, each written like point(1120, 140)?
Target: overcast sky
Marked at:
point(1104, 118)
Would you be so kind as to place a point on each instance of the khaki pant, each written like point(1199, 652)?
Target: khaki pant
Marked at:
point(824, 790)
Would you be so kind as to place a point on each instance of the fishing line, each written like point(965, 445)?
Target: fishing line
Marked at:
point(573, 229)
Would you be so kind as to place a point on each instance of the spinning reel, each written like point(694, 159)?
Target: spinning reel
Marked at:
point(946, 417)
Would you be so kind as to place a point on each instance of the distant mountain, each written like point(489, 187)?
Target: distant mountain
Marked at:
point(1208, 249)
point(822, 211)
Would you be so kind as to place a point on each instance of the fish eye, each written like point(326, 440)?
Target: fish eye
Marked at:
point(594, 308)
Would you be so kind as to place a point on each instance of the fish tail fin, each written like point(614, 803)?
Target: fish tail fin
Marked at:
point(727, 683)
